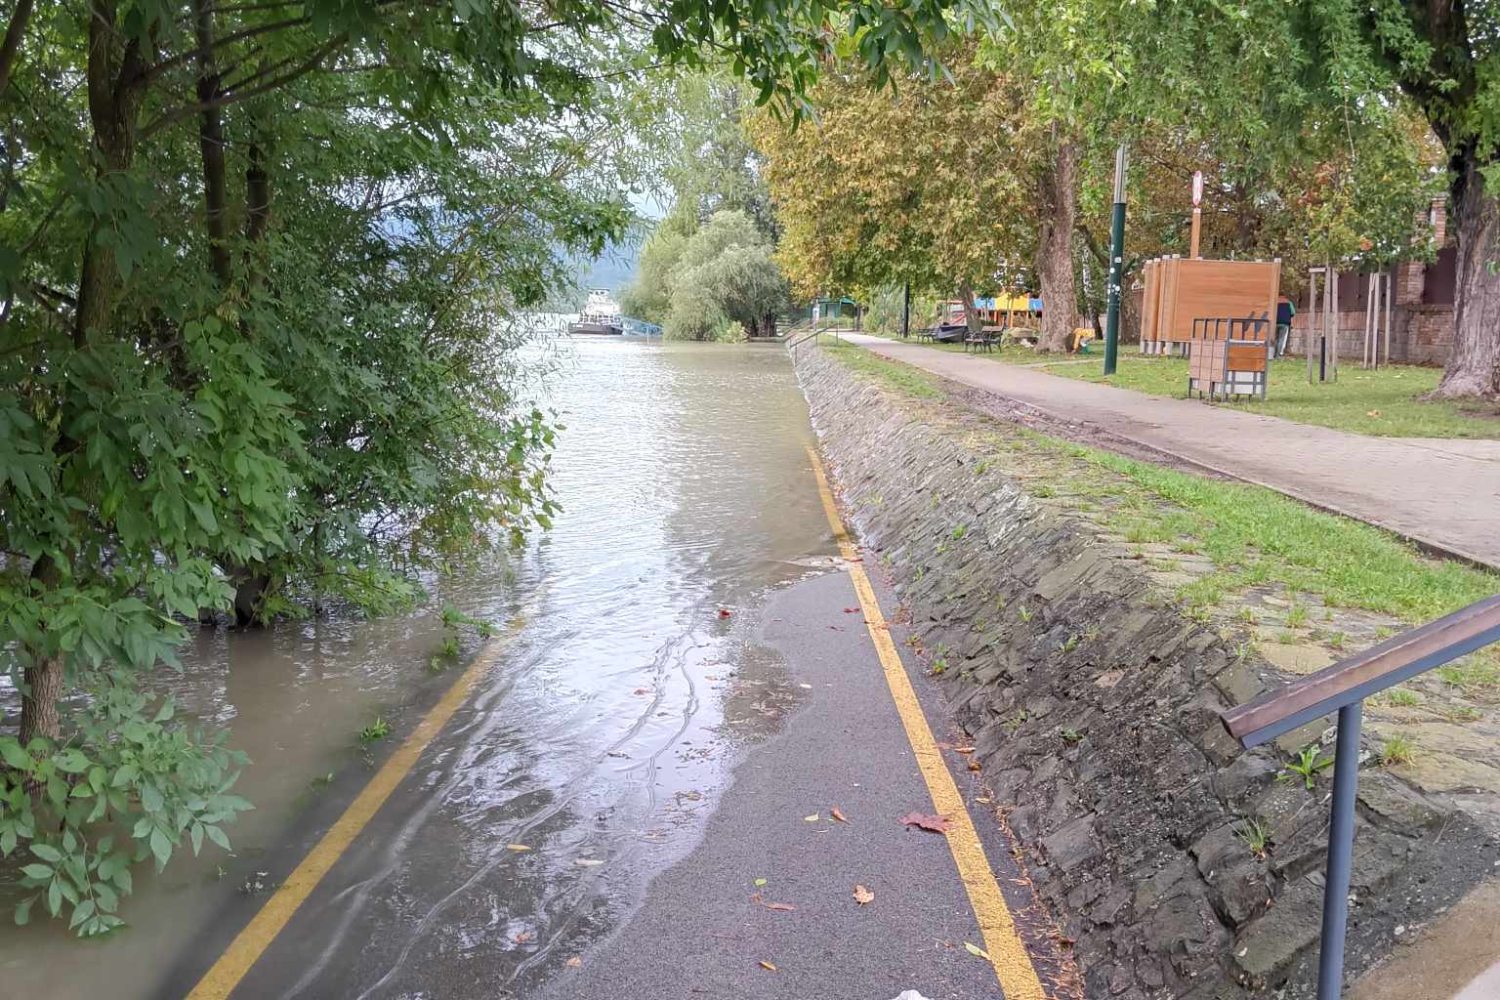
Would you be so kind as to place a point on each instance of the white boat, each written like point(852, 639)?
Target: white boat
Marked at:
point(600, 315)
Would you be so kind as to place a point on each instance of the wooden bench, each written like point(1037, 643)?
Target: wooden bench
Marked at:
point(1229, 357)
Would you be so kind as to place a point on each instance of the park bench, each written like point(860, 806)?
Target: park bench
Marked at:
point(1229, 356)
point(986, 339)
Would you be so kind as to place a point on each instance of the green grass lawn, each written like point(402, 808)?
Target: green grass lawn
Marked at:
point(1381, 403)
point(1252, 534)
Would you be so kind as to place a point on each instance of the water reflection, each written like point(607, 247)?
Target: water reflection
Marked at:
point(599, 742)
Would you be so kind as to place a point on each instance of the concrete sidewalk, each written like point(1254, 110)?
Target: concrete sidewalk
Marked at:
point(1439, 493)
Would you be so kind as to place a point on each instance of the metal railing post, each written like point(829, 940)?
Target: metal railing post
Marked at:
point(1340, 853)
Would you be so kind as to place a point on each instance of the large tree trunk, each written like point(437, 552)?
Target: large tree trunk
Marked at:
point(1059, 204)
point(971, 312)
point(39, 704)
point(1474, 366)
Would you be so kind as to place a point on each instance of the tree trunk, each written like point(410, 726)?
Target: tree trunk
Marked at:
point(1059, 198)
point(1474, 366)
point(10, 49)
point(971, 312)
point(113, 77)
point(39, 705)
point(251, 585)
point(211, 146)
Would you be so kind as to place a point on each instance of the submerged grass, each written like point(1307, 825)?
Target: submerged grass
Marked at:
point(1252, 535)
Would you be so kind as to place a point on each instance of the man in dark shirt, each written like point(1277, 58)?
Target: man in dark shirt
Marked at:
point(1284, 313)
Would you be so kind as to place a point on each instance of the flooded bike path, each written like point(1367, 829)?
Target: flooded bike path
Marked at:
point(592, 748)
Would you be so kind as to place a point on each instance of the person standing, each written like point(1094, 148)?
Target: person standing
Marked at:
point(1284, 313)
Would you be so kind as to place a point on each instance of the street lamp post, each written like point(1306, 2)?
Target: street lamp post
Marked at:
point(1116, 266)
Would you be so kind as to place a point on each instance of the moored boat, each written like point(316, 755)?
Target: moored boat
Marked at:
point(600, 315)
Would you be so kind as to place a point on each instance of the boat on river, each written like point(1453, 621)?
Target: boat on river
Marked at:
point(600, 316)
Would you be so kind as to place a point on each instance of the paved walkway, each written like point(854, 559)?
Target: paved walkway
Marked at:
point(1440, 493)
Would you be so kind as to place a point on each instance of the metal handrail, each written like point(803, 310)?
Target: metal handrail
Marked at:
point(793, 345)
point(1344, 687)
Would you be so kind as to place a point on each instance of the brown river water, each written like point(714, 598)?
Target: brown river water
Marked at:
point(600, 739)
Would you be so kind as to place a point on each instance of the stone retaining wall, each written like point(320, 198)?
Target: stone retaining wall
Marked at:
point(1093, 703)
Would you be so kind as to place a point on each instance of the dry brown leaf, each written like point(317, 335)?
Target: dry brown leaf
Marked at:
point(963, 749)
point(785, 907)
point(574, 962)
point(767, 966)
point(974, 765)
point(837, 814)
point(932, 824)
point(863, 895)
point(517, 847)
point(524, 936)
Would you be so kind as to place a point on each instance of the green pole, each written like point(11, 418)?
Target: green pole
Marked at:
point(1116, 266)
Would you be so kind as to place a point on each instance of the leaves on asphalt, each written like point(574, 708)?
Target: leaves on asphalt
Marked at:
point(769, 967)
point(863, 895)
point(977, 951)
point(759, 882)
point(574, 962)
point(837, 814)
point(517, 847)
point(974, 765)
point(810, 819)
point(932, 824)
point(724, 612)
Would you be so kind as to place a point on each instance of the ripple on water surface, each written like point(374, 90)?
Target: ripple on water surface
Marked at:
point(599, 741)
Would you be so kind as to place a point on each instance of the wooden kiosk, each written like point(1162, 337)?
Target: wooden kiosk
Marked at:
point(1179, 290)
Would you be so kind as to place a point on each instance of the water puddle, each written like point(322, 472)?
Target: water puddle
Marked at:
point(599, 741)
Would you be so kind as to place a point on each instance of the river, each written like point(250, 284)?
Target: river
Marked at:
point(628, 685)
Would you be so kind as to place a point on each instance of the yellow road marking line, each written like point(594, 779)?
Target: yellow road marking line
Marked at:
point(252, 942)
point(1018, 978)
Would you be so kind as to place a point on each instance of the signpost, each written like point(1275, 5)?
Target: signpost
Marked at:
point(1116, 267)
point(1197, 213)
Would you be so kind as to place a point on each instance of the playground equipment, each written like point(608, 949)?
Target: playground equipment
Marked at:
point(1230, 356)
point(1179, 291)
point(1322, 348)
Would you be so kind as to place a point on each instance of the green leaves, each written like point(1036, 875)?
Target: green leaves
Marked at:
point(130, 768)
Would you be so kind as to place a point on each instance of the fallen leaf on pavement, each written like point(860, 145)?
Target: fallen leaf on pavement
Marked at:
point(977, 951)
point(837, 814)
point(974, 765)
point(784, 907)
point(524, 936)
point(963, 749)
point(767, 966)
point(932, 824)
point(863, 895)
point(517, 847)
point(587, 862)
point(574, 962)
point(810, 819)
point(760, 882)
point(642, 691)
point(724, 612)
point(851, 611)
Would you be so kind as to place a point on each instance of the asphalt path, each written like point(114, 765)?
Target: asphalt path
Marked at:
point(705, 927)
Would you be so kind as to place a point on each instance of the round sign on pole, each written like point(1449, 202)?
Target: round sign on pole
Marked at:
point(1197, 188)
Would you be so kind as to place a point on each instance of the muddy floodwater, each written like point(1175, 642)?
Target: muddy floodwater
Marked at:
point(599, 740)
